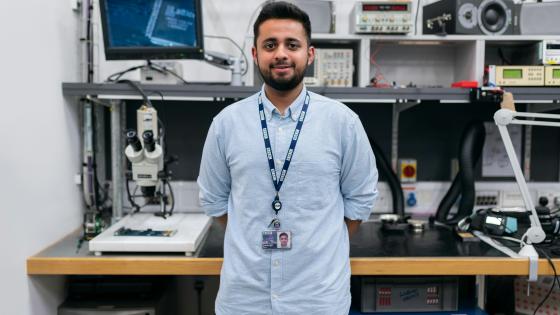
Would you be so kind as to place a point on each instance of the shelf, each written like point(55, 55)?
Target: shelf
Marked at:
point(365, 95)
point(453, 38)
point(335, 38)
point(433, 60)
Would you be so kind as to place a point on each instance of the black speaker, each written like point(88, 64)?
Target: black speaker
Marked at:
point(490, 17)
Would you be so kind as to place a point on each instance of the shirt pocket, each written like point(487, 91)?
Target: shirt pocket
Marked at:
point(317, 184)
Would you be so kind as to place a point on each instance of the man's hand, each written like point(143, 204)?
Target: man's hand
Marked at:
point(222, 220)
point(352, 226)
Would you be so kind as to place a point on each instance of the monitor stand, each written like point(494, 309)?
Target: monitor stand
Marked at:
point(162, 72)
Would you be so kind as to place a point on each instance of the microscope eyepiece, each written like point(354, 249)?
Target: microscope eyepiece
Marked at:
point(149, 142)
point(133, 140)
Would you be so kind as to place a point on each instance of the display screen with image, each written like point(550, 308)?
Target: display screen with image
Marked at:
point(152, 29)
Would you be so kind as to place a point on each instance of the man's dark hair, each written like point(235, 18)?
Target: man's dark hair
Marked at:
point(283, 234)
point(282, 10)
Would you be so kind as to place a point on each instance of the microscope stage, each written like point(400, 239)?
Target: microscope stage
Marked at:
point(145, 232)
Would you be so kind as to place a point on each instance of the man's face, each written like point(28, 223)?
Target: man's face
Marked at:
point(284, 240)
point(282, 53)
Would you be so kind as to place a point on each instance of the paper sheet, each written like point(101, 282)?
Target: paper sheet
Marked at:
point(495, 161)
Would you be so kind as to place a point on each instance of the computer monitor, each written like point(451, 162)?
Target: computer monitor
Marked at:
point(152, 29)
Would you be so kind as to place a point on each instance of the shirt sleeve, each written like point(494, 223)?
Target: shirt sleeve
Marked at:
point(359, 175)
point(214, 179)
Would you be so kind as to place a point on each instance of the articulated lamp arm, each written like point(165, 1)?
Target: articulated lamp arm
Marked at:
point(503, 117)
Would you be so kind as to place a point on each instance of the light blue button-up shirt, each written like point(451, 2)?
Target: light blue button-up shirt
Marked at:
point(332, 175)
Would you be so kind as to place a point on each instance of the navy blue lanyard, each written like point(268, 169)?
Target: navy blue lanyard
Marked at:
point(276, 204)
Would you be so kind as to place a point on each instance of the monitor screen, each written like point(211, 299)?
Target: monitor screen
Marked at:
point(152, 29)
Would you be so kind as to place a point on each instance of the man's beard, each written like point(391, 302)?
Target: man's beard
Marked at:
point(282, 84)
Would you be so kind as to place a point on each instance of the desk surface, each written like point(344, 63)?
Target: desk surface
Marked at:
point(434, 251)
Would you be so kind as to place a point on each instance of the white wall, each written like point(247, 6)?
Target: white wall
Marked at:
point(39, 147)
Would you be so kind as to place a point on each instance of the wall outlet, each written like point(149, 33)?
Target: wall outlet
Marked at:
point(486, 199)
point(75, 5)
point(78, 179)
point(511, 199)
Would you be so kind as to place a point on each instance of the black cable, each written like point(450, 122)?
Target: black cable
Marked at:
point(199, 286)
point(96, 101)
point(385, 169)
point(162, 136)
point(165, 70)
point(162, 130)
point(176, 75)
point(137, 87)
point(89, 79)
point(118, 75)
point(159, 119)
point(89, 46)
point(134, 205)
point(238, 47)
point(503, 57)
point(554, 282)
point(159, 93)
point(80, 243)
point(104, 191)
point(160, 122)
point(172, 197)
point(470, 150)
point(96, 185)
point(416, 18)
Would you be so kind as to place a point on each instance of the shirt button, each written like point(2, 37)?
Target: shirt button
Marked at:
point(274, 296)
point(280, 129)
point(276, 262)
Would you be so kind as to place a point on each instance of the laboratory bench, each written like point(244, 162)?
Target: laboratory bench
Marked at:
point(435, 251)
point(373, 251)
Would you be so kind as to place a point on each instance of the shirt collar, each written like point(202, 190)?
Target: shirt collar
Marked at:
point(293, 110)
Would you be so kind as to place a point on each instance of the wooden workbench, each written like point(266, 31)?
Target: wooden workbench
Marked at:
point(434, 251)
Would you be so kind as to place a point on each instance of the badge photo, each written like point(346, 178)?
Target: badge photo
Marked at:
point(284, 239)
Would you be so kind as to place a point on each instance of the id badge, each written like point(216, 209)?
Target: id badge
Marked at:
point(276, 239)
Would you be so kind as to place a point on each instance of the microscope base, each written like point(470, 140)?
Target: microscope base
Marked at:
point(184, 232)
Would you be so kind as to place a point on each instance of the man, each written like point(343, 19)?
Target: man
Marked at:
point(284, 239)
point(257, 182)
